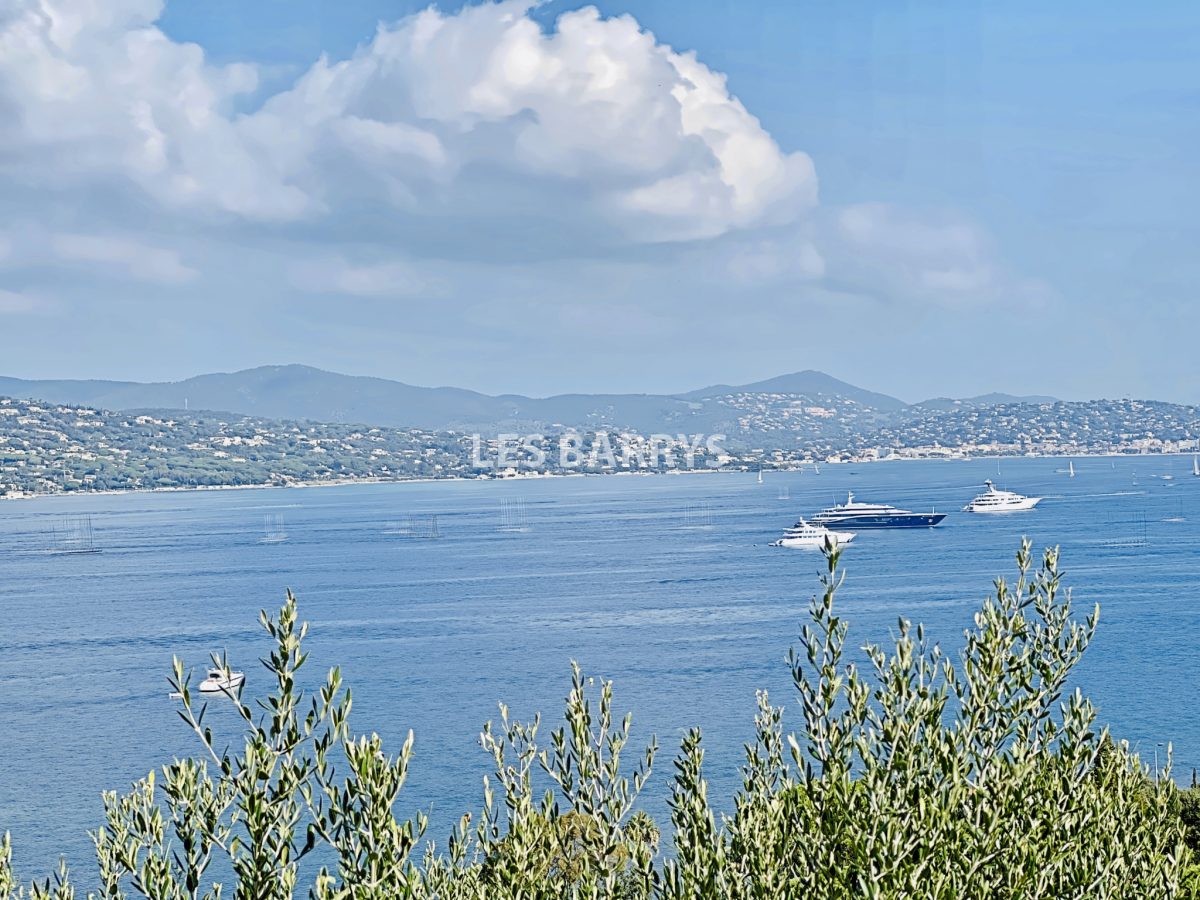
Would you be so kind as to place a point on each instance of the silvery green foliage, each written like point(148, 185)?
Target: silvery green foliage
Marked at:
point(934, 779)
point(266, 807)
point(56, 888)
point(921, 777)
point(581, 838)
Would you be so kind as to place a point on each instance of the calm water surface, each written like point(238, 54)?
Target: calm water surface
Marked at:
point(689, 621)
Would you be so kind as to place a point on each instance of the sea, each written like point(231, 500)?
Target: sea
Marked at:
point(441, 599)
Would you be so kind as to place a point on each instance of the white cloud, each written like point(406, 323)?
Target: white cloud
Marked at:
point(595, 113)
point(13, 303)
point(123, 254)
point(95, 92)
point(792, 257)
point(385, 279)
point(941, 258)
point(593, 118)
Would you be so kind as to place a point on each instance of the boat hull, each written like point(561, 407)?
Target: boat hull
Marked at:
point(223, 685)
point(1024, 506)
point(814, 543)
point(907, 520)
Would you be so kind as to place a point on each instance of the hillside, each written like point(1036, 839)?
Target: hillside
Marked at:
point(799, 405)
point(52, 448)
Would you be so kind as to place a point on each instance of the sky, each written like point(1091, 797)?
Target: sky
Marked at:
point(925, 199)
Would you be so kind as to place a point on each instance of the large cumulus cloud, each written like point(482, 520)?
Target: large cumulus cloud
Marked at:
point(91, 91)
point(438, 116)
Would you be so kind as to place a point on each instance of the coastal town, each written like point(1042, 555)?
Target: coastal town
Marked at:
point(56, 448)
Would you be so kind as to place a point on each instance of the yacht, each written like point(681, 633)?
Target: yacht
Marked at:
point(222, 681)
point(996, 500)
point(804, 534)
point(855, 514)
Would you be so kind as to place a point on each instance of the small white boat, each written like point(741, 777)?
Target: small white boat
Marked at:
point(1196, 466)
point(996, 500)
point(806, 535)
point(222, 681)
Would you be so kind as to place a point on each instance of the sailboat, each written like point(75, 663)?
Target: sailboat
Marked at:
point(426, 527)
point(273, 532)
point(512, 515)
point(1134, 541)
point(697, 518)
point(74, 536)
point(1179, 516)
point(1196, 467)
point(760, 474)
point(1071, 469)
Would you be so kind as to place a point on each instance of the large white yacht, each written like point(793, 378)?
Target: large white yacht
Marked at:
point(996, 500)
point(856, 514)
point(804, 534)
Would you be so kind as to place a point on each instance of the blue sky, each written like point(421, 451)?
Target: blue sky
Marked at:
point(938, 198)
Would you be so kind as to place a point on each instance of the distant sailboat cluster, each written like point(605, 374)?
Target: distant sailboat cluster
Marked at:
point(423, 527)
point(73, 535)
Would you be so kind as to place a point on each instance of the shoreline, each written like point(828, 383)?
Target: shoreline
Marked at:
point(717, 470)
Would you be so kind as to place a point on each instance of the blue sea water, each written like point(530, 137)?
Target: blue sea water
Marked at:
point(612, 571)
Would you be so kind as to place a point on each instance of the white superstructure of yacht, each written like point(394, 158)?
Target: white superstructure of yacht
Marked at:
point(996, 500)
point(804, 535)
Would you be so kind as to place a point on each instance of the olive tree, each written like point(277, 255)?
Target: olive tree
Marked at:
point(916, 775)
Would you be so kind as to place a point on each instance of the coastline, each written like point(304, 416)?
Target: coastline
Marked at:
point(716, 470)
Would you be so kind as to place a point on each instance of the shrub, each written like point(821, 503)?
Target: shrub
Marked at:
point(920, 777)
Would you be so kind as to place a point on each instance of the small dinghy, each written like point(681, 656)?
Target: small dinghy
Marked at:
point(221, 681)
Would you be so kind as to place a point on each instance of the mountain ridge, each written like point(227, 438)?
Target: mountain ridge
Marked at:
point(306, 393)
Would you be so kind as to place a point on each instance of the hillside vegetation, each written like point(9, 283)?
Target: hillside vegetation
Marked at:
point(54, 448)
point(49, 448)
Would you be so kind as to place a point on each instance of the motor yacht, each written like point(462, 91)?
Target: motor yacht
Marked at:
point(856, 514)
point(806, 535)
point(996, 500)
